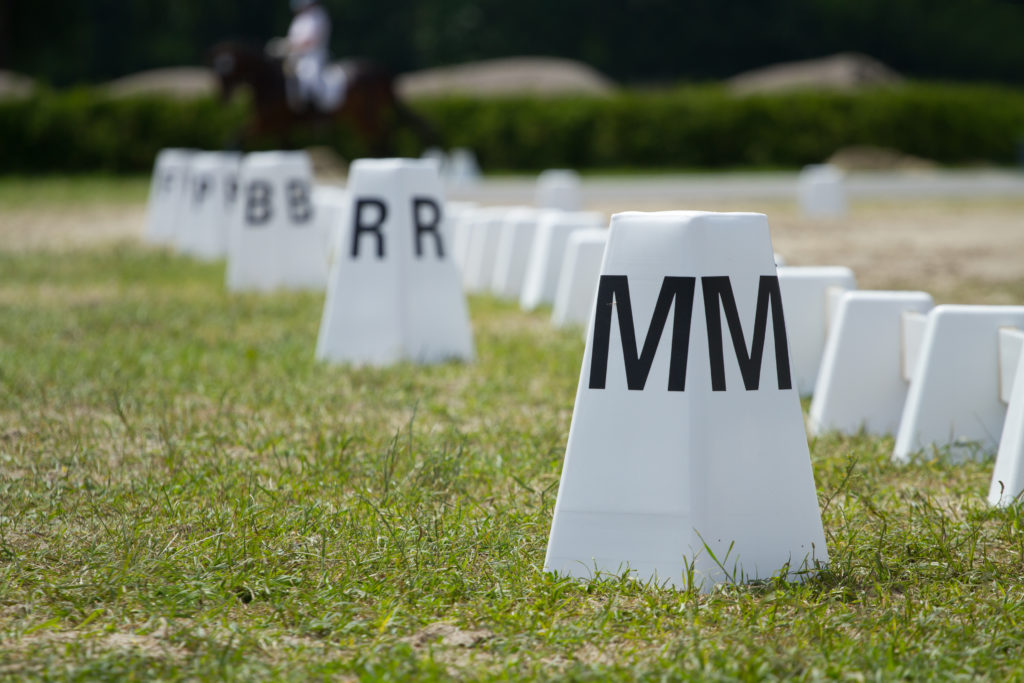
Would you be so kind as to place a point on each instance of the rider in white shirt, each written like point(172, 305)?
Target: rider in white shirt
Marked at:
point(309, 40)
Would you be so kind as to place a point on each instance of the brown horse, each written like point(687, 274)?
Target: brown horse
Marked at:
point(371, 106)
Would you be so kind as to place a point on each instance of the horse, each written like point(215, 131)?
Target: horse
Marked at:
point(371, 106)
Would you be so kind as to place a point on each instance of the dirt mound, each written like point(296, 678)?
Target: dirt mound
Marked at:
point(509, 76)
point(15, 85)
point(186, 81)
point(844, 71)
point(868, 158)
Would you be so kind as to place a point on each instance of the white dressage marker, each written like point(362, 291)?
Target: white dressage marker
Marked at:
point(861, 383)
point(332, 206)
point(437, 155)
point(167, 192)
point(805, 294)
point(580, 272)
point(954, 393)
point(394, 291)
point(548, 251)
point(687, 442)
point(462, 169)
point(559, 189)
point(456, 219)
point(209, 204)
point(482, 248)
point(1008, 475)
point(513, 253)
point(275, 240)
point(821, 191)
point(461, 231)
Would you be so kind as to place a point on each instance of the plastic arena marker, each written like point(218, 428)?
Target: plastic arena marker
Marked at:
point(275, 240)
point(912, 326)
point(1008, 476)
point(394, 291)
point(515, 242)
point(482, 249)
point(559, 189)
point(821, 191)
point(209, 204)
point(861, 381)
point(805, 292)
point(577, 282)
point(953, 399)
point(461, 169)
point(167, 193)
point(548, 251)
point(461, 219)
point(331, 205)
point(456, 218)
point(687, 459)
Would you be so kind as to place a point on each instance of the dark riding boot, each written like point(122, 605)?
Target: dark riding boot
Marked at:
point(293, 93)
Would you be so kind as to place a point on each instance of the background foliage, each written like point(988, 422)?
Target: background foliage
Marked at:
point(631, 40)
point(688, 127)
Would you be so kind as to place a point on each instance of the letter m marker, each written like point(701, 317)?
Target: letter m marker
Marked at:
point(613, 295)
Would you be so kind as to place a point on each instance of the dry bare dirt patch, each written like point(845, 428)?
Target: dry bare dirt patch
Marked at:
point(942, 246)
point(69, 227)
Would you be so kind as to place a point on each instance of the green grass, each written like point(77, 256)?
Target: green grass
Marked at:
point(184, 493)
point(20, 192)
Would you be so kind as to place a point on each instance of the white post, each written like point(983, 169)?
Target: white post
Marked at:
point(687, 461)
point(1008, 474)
point(805, 294)
point(953, 401)
point(394, 291)
point(860, 384)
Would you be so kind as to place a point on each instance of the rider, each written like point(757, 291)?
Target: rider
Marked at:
point(308, 43)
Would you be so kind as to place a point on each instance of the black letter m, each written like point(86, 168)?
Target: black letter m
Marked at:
point(613, 294)
point(720, 289)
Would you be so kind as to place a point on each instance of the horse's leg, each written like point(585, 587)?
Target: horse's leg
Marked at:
point(365, 120)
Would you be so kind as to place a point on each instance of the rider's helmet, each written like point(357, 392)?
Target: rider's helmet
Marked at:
point(298, 5)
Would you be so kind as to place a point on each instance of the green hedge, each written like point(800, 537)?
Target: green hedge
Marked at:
point(708, 127)
point(690, 127)
point(83, 130)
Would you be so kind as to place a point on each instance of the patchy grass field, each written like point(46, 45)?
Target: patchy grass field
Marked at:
point(184, 493)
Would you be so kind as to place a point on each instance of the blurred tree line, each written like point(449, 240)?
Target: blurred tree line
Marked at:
point(635, 41)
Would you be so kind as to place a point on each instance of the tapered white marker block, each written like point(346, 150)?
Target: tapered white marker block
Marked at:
point(861, 381)
point(331, 205)
point(167, 194)
point(394, 292)
point(1007, 486)
point(953, 399)
point(548, 252)
point(687, 442)
point(821, 191)
point(461, 169)
point(482, 249)
point(805, 290)
point(462, 223)
point(577, 284)
point(437, 155)
point(209, 204)
point(515, 242)
point(457, 216)
point(559, 189)
point(275, 240)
